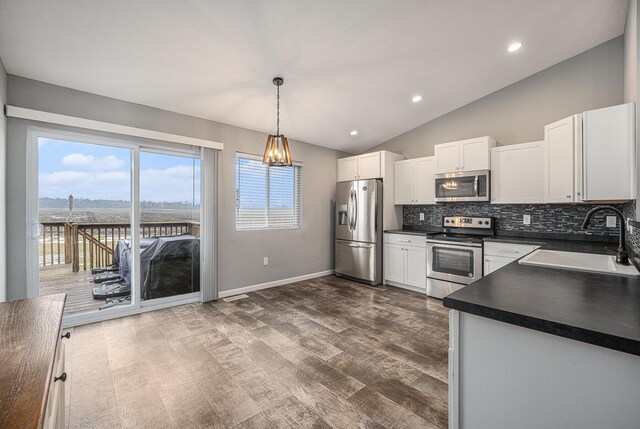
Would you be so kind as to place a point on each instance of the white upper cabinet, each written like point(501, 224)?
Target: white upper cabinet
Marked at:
point(447, 157)
point(405, 183)
point(561, 160)
point(464, 155)
point(425, 180)
point(591, 156)
point(360, 167)
point(414, 181)
point(369, 166)
point(474, 153)
point(517, 173)
point(347, 169)
point(608, 153)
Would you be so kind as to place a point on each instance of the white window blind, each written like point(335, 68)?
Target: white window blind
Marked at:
point(267, 197)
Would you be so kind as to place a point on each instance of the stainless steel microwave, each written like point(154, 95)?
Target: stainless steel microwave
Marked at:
point(463, 186)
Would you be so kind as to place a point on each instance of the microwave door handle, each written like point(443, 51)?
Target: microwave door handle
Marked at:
point(475, 186)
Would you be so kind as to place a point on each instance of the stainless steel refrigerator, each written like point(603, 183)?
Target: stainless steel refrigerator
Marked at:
point(359, 230)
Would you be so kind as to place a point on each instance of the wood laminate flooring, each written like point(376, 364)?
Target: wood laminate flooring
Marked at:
point(322, 353)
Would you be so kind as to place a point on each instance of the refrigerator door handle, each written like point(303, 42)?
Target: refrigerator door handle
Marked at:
point(355, 210)
point(352, 205)
point(361, 246)
point(349, 210)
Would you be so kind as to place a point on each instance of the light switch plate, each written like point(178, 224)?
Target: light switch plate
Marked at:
point(526, 219)
point(611, 221)
point(265, 260)
point(421, 216)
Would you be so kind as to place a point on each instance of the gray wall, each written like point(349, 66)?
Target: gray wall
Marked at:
point(291, 252)
point(518, 113)
point(3, 145)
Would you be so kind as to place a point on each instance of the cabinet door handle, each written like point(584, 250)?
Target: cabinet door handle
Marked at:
point(63, 377)
point(404, 241)
point(67, 335)
point(568, 196)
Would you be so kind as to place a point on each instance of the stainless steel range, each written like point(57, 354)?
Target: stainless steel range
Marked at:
point(454, 257)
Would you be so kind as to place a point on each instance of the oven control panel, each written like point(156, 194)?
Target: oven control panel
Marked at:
point(467, 222)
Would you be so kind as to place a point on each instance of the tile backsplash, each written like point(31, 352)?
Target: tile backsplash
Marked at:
point(546, 219)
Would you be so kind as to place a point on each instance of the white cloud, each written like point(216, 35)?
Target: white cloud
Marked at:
point(113, 185)
point(108, 163)
point(78, 160)
point(173, 184)
point(89, 162)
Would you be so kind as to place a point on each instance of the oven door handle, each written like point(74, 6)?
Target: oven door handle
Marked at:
point(448, 245)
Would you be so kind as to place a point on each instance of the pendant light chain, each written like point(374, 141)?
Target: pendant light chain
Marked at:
point(278, 112)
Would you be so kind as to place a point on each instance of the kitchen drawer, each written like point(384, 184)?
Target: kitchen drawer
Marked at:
point(406, 239)
point(508, 249)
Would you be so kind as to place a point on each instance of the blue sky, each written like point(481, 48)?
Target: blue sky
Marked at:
point(104, 172)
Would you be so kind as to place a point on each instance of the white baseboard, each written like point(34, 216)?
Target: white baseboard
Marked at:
point(267, 285)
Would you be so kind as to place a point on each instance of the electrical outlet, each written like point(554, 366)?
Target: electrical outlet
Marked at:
point(611, 221)
point(526, 219)
point(421, 216)
point(265, 260)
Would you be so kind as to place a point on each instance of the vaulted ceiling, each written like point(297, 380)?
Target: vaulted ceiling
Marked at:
point(348, 65)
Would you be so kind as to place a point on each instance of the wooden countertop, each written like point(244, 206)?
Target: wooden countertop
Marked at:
point(29, 332)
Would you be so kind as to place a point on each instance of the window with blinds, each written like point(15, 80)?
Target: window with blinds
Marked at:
point(267, 197)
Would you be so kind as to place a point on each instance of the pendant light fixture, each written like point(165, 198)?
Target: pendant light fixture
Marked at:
point(277, 152)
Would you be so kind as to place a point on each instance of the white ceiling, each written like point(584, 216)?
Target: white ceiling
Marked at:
point(347, 64)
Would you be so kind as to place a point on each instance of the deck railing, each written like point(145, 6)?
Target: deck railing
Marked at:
point(90, 245)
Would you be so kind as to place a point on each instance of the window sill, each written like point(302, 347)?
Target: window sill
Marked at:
point(268, 229)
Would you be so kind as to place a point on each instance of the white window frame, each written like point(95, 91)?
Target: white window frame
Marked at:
point(137, 305)
point(298, 187)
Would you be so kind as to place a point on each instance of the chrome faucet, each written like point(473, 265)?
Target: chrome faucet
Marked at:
point(622, 256)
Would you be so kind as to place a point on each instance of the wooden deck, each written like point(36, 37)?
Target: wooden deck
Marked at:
point(77, 286)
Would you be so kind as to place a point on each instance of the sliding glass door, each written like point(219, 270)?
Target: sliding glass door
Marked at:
point(114, 225)
point(169, 224)
point(84, 213)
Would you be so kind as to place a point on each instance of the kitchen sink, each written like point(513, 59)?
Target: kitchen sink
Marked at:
point(579, 261)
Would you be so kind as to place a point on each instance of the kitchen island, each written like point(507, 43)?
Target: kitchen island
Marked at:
point(535, 347)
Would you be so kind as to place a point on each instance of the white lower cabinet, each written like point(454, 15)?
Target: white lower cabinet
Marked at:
point(416, 271)
point(498, 254)
point(55, 411)
point(493, 263)
point(394, 262)
point(405, 261)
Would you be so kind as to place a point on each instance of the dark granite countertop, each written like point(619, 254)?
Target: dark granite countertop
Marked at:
point(415, 230)
point(593, 308)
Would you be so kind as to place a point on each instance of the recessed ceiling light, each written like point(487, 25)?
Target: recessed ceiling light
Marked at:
point(514, 47)
point(416, 98)
point(354, 133)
